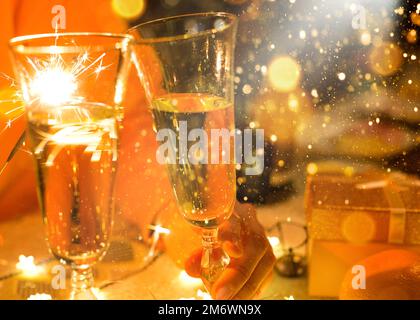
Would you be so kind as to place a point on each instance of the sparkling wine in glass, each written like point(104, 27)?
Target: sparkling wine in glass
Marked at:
point(186, 67)
point(72, 86)
point(205, 191)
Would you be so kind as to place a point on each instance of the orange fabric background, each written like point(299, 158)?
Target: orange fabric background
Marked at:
point(142, 185)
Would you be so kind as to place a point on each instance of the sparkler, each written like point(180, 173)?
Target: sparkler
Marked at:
point(13, 115)
point(55, 86)
point(54, 83)
point(13, 152)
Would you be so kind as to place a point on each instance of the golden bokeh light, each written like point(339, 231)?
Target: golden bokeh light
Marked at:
point(365, 38)
point(348, 171)
point(415, 18)
point(284, 73)
point(386, 58)
point(129, 9)
point(28, 267)
point(411, 36)
point(312, 168)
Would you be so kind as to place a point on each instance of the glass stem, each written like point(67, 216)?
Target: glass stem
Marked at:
point(82, 284)
point(209, 238)
point(214, 260)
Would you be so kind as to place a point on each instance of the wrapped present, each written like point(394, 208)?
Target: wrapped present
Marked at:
point(352, 217)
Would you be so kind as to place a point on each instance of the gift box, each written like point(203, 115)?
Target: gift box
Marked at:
point(351, 217)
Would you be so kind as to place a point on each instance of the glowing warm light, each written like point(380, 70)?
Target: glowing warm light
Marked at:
point(412, 36)
point(28, 266)
point(40, 296)
point(273, 138)
point(399, 11)
point(312, 168)
point(348, 171)
point(100, 295)
point(187, 280)
point(415, 18)
point(314, 93)
point(276, 246)
point(203, 295)
point(247, 89)
point(159, 229)
point(53, 86)
point(289, 298)
point(293, 103)
point(274, 241)
point(200, 295)
point(302, 34)
point(284, 74)
point(129, 9)
point(365, 38)
point(341, 76)
point(55, 83)
point(386, 59)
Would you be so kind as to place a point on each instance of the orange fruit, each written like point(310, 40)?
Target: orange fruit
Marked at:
point(390, 275)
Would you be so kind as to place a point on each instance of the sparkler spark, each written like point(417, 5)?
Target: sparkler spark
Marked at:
point(15, 99)
point(55, 83)
point(19, 143)
point(53, 86)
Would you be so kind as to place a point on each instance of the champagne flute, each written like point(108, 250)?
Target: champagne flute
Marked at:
point(186, 67)
point(72, 85)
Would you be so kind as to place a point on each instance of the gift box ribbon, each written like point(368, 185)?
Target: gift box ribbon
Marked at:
point(392, 186)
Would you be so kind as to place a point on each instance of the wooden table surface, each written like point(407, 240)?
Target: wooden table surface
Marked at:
point(136, 278)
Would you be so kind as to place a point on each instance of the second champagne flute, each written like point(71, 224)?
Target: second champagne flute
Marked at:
point(190, 89)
